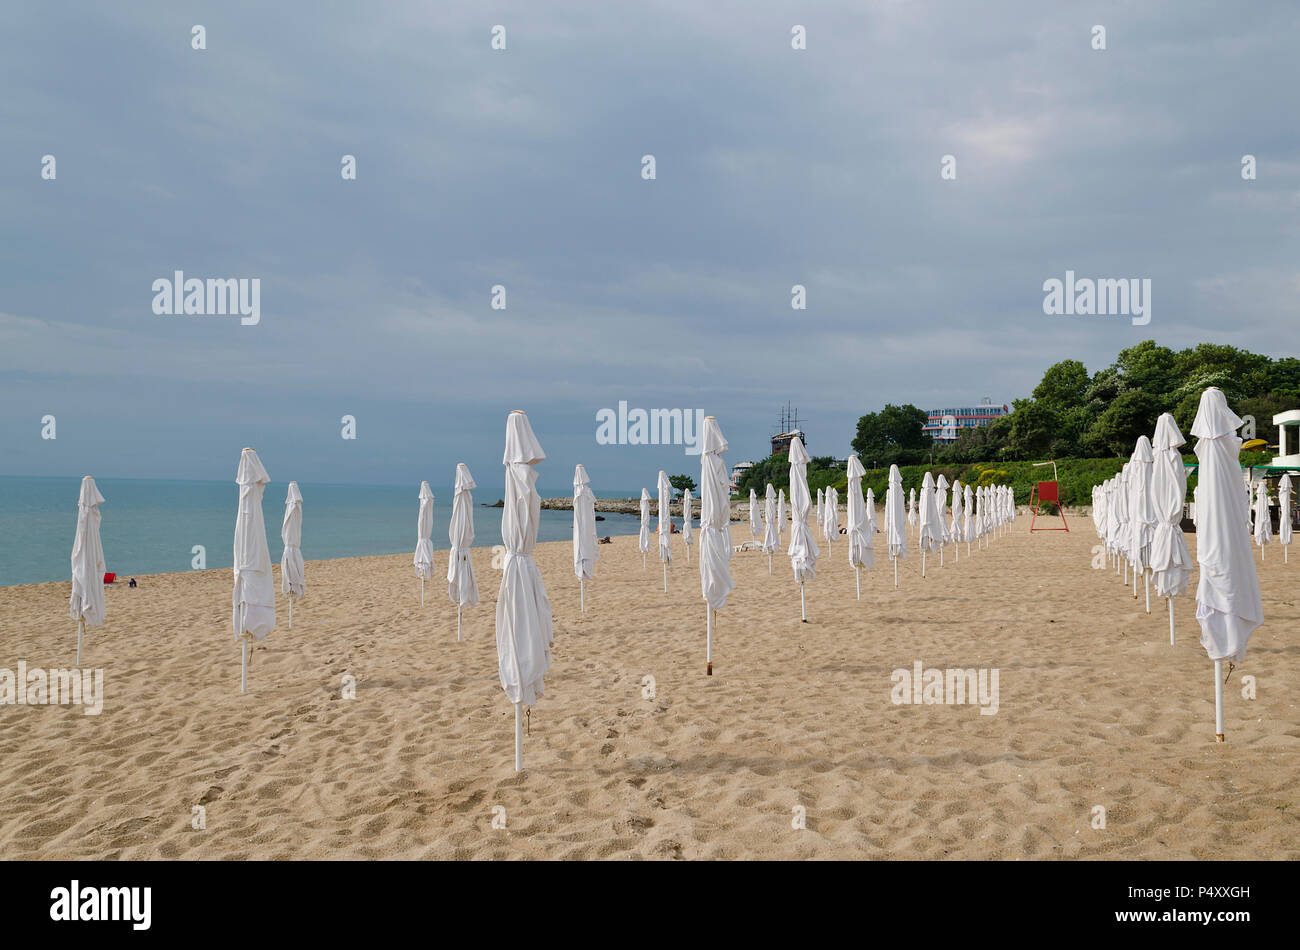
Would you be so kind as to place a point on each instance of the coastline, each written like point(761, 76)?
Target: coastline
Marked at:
point(1095, 708)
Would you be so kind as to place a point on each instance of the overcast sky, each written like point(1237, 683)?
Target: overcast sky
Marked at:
point(522, 167)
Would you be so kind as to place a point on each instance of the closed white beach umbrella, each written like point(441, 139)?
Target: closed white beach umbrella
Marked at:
point(872, 528)
point(665, 525)
point(861, 552)
point(1124, 531)
point(831, 526)
point(293, 573)
point(821, 503)
point(523, 622)
point(688, 536)
point(771, 537)
point(911, 507)
point(1099, 511)
point(423, 534)
point(1228, 603)
point(941, 505)
point(930, 534)
point(1142, 518)
point(462, 588)
point(715, 536)
point(780, 515)
point(803, 550)
point(957, 530)
point(755, 528)
point(1171, 561)
point(1114, 501)
point(968, 516)
point(1284, 514)
point(253, 598)
point(1263, 527)
point(643, 540)
point(87, 605)
point(585, 546)
point(895, 519)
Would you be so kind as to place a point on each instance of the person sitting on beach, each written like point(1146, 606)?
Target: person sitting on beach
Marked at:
point(132, 584)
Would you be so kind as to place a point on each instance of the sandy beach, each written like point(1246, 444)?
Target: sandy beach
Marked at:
point(1094, 709)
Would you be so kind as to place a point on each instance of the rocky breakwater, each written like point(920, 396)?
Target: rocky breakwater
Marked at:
point(632, 506)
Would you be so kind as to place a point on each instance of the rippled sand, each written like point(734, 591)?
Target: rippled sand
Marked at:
point(1095, 709)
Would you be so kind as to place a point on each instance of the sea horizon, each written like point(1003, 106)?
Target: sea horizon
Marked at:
point(152, 525)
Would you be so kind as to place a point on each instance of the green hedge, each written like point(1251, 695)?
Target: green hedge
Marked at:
point(1076, 477)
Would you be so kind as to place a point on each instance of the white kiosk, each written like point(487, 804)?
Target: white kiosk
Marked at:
point(1287, 421)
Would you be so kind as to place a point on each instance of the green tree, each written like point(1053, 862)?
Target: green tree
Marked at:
point(1033, 426)
point(1148, 367)
point(1133, 413)
point(895, 435)
point(681, 483)
point(1063, 386)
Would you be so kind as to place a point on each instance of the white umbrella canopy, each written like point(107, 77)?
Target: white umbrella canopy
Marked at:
point(1228, 602)
point(1229, 605)
point(803, 550)
point(462, 588)
point(523, 620)
point(755, 529)
point(872, 528)
point(911, 507)
point(585, 547)
point(1114, 502)
point(293, 573)
point(1121, 499)
point(941, 504)
point(1263, 527)
point(930, 534)
point(968, 516)
point(688, 536)
point(771, 538)
point(1284, 511)
point(293, 579)
point(1171, 562)
point(821, 503)
point(780, 514)
point(253, 598)
point(861, 553)
point(715, 537)
point(665, 525)
point(1099, 510)
point(957, 529)
point(831, 526)
point(1142, 519)
point(643, 540)
point(895, 519)
point(423, 533)
point(87, 604)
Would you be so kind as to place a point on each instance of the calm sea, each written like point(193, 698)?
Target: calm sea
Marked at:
point(151, 526)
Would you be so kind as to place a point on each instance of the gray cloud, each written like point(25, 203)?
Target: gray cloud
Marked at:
point(522, 168)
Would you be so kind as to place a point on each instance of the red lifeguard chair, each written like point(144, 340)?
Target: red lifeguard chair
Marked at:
point(1047, 492)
